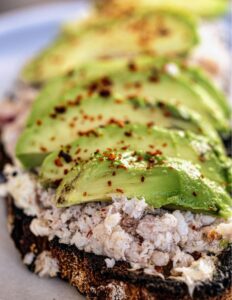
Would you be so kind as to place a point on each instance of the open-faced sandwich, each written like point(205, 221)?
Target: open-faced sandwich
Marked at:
point(120, 181)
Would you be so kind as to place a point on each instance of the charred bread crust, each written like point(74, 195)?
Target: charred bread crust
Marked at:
point(4, 159)
point(24, 240)
point(228, 144)
point(89, 274)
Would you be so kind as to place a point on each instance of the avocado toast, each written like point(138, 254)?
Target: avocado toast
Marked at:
point(122, 184)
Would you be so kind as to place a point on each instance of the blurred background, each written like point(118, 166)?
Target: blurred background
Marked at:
point(6, 5)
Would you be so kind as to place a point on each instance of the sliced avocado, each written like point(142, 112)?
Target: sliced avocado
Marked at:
point(167, 142)
point(69, 121)
point(162, 182)
point(202, 79)
point(204, 8)
point(155, 32)
point(177, 90)
point(150, 80)
point(62, 88)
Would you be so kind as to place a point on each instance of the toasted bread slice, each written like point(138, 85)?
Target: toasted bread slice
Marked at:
point(89, 274)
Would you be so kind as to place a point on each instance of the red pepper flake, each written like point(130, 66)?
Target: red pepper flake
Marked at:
point(53, 116)
point(128, 133)
point(194, 194)
point(167, 114)
point(58, 162)
point(104, 93)
point(213, 235)
point(124, 147)
point(85, 194)
point(116, 122)
point(142, 179)
point(78, 151)
point(119, 191)
point(109, 183)
point(132, 97)
point(114, 173)
point(67, 158)
point(155, 153)
point(122, 167)
point(60, 109)
point(106, 81)
point(153, 78)
point(118, 101)
point(158, 152)
point(65, 171)
point(159, 269)
point(89, 233)
point(151, 146)
point(39, 122)
point(139, 158)
point(88, 133)
point(110, 156)
point(161, 104)
point(163, 31)
point(78, 99)
point(70, 73)
point(99, 117)
point(43, 149)
point(164, 145)
point(132, 66)
point(137, 85)
point(92, 88)
point(202, 158)
point(150, 124)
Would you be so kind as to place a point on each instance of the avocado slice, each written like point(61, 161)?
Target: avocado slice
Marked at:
point(150, 80)
point(90, 72)
point(162, 182)
point(203, 8)
point(155, 32)
point(167, 142)
point(198, 76)
point(71, 120)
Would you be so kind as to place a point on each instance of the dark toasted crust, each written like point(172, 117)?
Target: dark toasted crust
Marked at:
point(89, 274)
point(228, 144)
point(4, 159)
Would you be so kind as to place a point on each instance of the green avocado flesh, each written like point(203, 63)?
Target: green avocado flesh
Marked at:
point(167, 142)
point(154, 32)
point(150, 80)
point(202, 79)
point(166, 182)
point(204, 8)
point(69, 121)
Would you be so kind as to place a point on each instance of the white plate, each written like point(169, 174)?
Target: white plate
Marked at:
point(22, 34)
